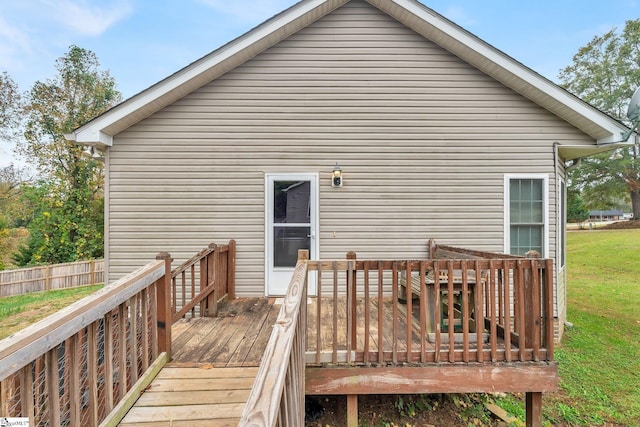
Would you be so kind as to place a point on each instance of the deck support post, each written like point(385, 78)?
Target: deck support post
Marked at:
point(352, 410)
point(163, 300)
point(534, 409)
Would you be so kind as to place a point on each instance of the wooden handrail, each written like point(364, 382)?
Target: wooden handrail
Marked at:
point(201, 282)
point(20, 348)
point(74, 366)
point(270, 402)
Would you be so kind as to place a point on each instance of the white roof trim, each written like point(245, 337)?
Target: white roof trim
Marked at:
point(574, 152)
point(602, 127)
point(93, 132)
point(514, 68)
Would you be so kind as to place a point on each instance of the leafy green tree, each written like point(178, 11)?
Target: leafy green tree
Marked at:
point(67, 201)
point(605, 73)
point(576, 211)
point(10, 107)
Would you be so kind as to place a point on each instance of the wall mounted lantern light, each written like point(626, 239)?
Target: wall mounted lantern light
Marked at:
point(336, 176)
point(93, 152)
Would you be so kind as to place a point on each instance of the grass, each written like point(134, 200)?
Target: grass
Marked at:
point(17, 312)
point(600, 355)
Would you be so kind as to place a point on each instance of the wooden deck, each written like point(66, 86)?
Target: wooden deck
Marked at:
point(216, 359)
point(215, 362)
point(193, 396)
point(488, 317)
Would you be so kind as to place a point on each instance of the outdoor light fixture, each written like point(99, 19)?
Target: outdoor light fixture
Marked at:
point(336, 176)
point(92, 152)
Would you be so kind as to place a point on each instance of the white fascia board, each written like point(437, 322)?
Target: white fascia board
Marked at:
point(145, 103)
point(574, 152)
point(520, 71)
point(90, 136)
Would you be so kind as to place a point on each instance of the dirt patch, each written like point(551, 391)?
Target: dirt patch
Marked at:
point(400, 410)
point(622, 225)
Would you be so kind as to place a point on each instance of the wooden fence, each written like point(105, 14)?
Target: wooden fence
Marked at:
point(47, 277)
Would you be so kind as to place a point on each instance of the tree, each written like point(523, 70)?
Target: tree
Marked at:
point(576, 211)
point(605, 73)
point(67, 201)
point(10, 107)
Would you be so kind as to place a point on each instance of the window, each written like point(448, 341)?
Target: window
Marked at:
point(526, 214)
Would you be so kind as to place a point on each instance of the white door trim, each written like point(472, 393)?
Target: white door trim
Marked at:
point(270, 178)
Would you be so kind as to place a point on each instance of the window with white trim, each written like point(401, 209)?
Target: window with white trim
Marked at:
point(526, 216)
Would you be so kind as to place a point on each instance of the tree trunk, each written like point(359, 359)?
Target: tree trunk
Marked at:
point(635, 203)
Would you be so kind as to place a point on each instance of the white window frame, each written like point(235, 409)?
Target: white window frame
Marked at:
point(507, 209)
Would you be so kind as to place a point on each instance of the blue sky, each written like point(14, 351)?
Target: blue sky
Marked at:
point(143, 41)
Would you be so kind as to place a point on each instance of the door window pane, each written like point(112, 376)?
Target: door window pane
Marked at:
point(287, 241)
point(291, 202)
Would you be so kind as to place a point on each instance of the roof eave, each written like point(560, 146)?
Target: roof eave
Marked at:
point(202, 71)
point(602, 127)
point(598, 125)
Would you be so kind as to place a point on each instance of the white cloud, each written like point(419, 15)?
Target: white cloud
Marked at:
point(86, 18)
point(253, 11)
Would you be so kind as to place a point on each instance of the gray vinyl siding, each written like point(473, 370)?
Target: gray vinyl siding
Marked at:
point(424, 141)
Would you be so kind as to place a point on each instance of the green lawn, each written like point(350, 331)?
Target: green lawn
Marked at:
point(600, 355)
point(19, 311)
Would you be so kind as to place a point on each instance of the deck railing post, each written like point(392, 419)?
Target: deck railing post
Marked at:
point(164, 316)
point(351, 298)
point(548, 311)
point(231, 270)
point(532, 309)
point(212, 275)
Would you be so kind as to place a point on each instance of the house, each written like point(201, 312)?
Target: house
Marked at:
point(439, 135)
point(610, 215)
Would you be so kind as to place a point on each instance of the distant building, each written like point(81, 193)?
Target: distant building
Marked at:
point(610, 215)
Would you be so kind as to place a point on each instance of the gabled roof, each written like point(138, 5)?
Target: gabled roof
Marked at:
point(600, 126)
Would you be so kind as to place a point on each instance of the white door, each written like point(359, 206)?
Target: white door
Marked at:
point(292, 224)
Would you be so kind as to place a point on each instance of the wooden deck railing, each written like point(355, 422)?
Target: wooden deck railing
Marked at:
point(277, 396)
point(202, 281)
point(76, 366)
point(492, 309)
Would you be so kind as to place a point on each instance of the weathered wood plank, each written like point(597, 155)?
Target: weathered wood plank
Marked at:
point(433, 379)
point(176, 371)
point(195, 384)
point(218, 422)
point(194, 397)
point(249, 351)
point(184, 412)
